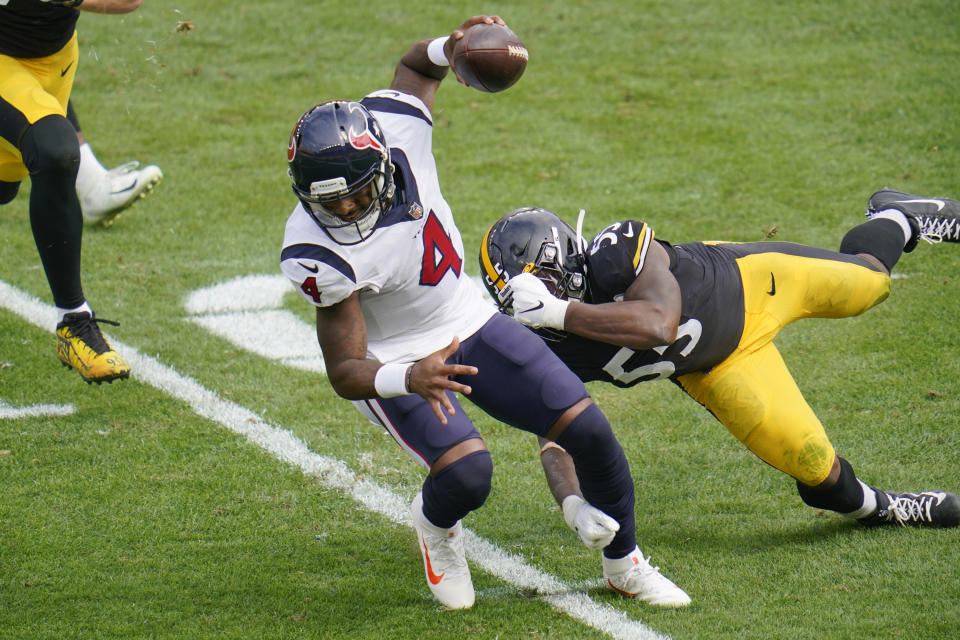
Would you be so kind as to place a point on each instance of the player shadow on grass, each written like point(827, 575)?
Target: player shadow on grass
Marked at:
point(767, 535)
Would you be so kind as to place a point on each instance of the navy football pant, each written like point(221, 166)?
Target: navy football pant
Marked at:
point(522, 383)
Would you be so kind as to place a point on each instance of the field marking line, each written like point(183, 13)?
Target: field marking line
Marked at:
point(10, 411)
point(335, 474)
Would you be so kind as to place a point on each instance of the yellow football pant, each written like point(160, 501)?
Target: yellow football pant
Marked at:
point(752, 392)
point(36, 87)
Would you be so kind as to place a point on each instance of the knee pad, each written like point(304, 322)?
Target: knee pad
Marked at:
point(883, 239)
point(844, 497)
point(49, 146)
point(8, 191)
point(458, 489)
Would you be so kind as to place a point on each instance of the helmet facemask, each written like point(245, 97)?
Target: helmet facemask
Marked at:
point(560, 269)
point(559, 261)
point(325, 192)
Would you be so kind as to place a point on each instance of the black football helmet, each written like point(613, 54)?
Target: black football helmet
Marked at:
point(535, 240)
point(337, 149)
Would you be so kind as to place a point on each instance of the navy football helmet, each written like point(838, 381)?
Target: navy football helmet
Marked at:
point(336, 150)
point(535, 240)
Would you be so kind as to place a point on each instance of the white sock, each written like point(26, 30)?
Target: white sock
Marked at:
point(869, 506)
point(91, 171)
point(898, 217)
point(62, 312)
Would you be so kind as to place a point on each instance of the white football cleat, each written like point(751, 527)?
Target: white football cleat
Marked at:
point(444, 561)
point(119, 188)
point(634, 577)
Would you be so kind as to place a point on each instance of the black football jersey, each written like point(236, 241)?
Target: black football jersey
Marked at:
point(34, 29)
point(712, 315)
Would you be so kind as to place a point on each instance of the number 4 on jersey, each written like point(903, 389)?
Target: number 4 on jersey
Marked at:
point(439, 254)
point(309, 287)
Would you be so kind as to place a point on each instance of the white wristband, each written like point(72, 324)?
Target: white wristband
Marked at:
point(391, 380)
point(435, 52)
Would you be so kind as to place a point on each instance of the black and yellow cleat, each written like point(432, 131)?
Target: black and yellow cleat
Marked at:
point(81, 346)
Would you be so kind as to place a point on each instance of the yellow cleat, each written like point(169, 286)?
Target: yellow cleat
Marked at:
point(81, 346)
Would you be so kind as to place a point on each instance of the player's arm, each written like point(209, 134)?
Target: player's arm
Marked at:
point(559, 470)
point(595, 528)
point(109, 6)
point(418, 75)
point(342, 334)
point(648, 315)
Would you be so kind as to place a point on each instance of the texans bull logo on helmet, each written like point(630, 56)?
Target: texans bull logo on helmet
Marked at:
point(366, 139)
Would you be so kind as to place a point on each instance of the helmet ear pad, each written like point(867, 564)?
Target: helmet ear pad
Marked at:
point(336, 149)
point(540, 242)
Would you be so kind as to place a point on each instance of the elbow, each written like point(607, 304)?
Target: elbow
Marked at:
point(667, 331)
point(655, 331)
point(342, 386)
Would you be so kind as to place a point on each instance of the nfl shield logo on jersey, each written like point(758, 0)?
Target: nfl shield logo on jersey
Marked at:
point(415, 211)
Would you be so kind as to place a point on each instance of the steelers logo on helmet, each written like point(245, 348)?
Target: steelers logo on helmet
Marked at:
point(337, 150)
point(534, 240)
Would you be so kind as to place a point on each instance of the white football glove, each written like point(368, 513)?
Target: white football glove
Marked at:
point(533, 304)
point(595, 528)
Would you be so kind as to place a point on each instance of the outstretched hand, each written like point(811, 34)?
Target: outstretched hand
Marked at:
point(430, 378)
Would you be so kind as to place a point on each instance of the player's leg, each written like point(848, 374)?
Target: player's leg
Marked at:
point(879, 241)
point(522, 383)
point(50, 152)
point(754, 396)
point(784, 282)
point(33, 122)
point(757, 400)
point(51, 155)
point(38, 140)
point(458, 481)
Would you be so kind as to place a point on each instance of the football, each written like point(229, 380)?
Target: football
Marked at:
point(489, 57)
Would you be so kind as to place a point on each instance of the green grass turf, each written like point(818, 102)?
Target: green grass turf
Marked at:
point(134, 518)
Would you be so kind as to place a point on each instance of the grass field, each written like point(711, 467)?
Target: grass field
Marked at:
point(178, 504)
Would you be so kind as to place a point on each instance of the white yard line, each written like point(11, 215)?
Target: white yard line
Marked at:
point(334, 473)
point(7, 410)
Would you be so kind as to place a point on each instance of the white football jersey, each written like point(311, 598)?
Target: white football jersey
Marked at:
point(414, 292)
